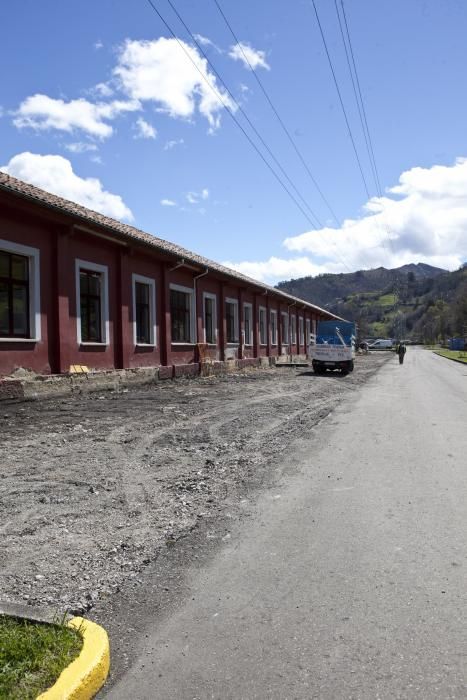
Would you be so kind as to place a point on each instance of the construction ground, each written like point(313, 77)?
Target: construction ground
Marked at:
point(95, 488)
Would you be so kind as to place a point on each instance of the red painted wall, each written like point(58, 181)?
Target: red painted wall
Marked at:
point(61, 243)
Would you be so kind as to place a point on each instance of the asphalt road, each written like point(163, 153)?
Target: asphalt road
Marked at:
point(350, 580)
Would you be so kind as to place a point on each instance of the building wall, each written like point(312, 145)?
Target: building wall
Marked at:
point(62, 242)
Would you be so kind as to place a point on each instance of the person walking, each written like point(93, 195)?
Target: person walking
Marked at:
point(401, 350)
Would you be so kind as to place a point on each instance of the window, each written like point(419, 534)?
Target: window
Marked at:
point(144, 310)
point(210, 321)
point(273, 323)
point(19, 292)
point(307, 332)
point(181, 312)
point(92, 301)
point(263, 322)
point(301, 338)
point(293, 325)
point(248, 323)
point(231, 317)
point(285, 328)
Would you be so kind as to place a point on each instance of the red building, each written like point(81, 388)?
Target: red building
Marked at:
point(79, 288)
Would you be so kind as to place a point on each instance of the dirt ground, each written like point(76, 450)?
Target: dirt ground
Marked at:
point(94, 488)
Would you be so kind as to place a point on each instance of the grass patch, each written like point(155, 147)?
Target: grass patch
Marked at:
point(32, 656)
point(453, 354)
point(386, 300)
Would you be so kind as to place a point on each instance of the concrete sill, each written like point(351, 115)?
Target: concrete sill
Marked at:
point(93, 345)
point(19, 340)
point(145, 345)
point(186, 345)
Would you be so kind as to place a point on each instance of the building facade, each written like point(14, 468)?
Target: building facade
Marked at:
point(79, 288)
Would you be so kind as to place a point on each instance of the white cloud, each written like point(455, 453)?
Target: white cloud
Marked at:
point(103, 90)
point(81, 147)
point(204, 41)
point(42, 113)
point(276, 269)
point(144, 130)
point(171, 144)
point(168, 203)
point(195, 197)
point(161, 72)
point(250, 57)
point(98, 45)
point(422, 219)
point(55, 174)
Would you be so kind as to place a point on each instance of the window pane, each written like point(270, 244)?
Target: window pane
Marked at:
point(19, 267)
point(94, 320)
point(142, 293)
point(180, 316)
point(209, 319)
point(4, 264)
point(83, 282)
point(20, 310)
point(143, 334)
point(230, 322)
point(4, 311)
point(94, 281)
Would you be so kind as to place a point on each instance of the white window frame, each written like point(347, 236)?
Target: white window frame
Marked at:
point(105, 323)
point(213, 297)
point(263, 341)
point(247, 305)
point(152, 309)
point(191, 292)
point(273, 327)
point(293, 329)
point(33, 256)
point(307, 332)
point(301, 331)
point(229, 300)
point(285, 326)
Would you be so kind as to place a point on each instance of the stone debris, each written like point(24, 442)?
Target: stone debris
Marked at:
point(94, 487)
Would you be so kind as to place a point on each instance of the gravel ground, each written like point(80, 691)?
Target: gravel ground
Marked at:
point(94, 488)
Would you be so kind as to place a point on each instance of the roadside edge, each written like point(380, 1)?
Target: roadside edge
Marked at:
point(86, 675)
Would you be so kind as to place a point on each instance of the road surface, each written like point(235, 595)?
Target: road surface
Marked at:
point(350, 581)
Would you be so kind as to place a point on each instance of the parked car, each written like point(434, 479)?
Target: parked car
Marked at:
point(382, 344)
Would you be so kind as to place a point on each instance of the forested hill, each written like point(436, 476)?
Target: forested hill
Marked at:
point(431, 303)
point(330, 289)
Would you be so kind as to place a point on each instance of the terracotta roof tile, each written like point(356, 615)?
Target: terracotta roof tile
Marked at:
point(42, 197)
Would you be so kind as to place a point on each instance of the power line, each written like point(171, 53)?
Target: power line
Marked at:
point(357, 100)
point(274, 109)
point(341, 100)
point(245, 115)
point(361, 108)
point(232, 115)
point(201, 50)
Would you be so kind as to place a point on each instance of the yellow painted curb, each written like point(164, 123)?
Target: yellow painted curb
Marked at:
point(88, 672)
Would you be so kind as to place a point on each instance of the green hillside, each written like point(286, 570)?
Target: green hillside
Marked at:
point(417, 302)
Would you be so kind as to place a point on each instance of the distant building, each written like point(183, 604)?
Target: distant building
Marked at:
point(79, 288)
point(456, 343)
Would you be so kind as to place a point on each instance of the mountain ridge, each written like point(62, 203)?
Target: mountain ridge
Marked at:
point(416, 301)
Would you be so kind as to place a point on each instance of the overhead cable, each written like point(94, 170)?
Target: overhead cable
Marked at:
point(340, 99)
point(233, 117)
point(246, 117)
point(274, 109)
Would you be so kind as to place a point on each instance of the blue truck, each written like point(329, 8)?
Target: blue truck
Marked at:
point(334, 347)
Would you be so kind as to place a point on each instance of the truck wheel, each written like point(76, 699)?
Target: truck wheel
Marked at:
point(351, 365)
point(344, 372)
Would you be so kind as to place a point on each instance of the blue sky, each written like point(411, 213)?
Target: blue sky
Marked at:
point(100, 104)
